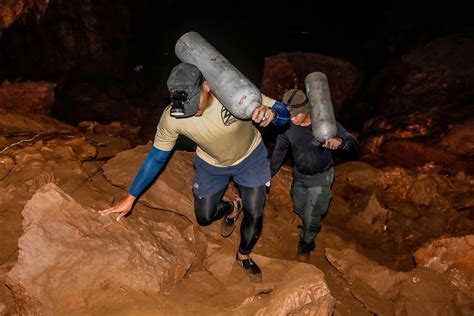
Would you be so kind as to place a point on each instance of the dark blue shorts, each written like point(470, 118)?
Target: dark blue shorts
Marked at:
point(253, 171)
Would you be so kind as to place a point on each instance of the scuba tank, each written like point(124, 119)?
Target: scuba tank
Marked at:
point(322, 113)
point(237, 93)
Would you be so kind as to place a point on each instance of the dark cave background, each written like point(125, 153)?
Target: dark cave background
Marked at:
point(110, 59)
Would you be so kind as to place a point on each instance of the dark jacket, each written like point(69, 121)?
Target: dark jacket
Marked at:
point(309, 157)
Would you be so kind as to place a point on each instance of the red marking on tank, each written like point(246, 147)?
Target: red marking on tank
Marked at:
point(242, 99)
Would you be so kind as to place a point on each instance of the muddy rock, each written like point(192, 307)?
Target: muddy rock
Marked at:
point(27, 97)
point(372, 221)
point(13, 123)
point(387, 292)
point(301, 290)
point(286, 288)
point(18, 130)
point(460, 139)
point(6, 164)
point(172, 191)
point(68, 254)
point(453, 257)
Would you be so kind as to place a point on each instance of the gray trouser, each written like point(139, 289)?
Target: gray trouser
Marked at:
point(311, 196)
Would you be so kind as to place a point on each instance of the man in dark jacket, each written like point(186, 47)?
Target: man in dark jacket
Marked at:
point(313, 171)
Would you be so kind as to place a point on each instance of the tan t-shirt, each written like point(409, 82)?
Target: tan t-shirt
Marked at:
point(222, 140)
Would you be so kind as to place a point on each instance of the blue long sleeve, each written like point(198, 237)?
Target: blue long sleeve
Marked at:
point(283, 116)
point(150, 168)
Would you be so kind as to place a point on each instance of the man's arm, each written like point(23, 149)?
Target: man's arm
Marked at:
point(279, 153)
point(282, 115)
point(348, 140)
point(165, 139)
point(150, 168)
point(271, 111)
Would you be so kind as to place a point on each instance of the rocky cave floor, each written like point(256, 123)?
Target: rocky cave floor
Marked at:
point(395, 242)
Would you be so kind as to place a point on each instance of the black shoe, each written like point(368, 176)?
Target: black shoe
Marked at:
point(304, 250)
point(228, 223)
point(251, 267)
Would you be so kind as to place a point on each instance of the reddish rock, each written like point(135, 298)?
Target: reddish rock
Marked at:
point(459, 140)
point(6, 164)
point(387, 292)
point(410, 154)
point(288, 70)
point(28, 97)
point(372, 221)
point(453, 257)
point(13, 123)
point(11, 10)
point(425, 108)
point(68, 254)
point(291, 288)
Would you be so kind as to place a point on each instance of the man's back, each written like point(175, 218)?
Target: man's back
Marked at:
point(222, 140)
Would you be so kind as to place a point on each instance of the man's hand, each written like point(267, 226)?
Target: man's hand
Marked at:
point(263, 115)
point(123, 207)
point(333, 143)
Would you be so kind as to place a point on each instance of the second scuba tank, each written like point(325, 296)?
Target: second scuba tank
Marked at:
point(322, 113)
point(237, 93)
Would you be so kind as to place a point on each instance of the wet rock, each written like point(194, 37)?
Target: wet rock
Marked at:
point(110, 139)
point(460, 139)
point(286, 288)
point(13, 123)
point(69, 254)
point(302, 290)
point(18, 130)
point(172, 191)
point(453, 257)
point(387, 292)
point(6, 164)
point(356, 174)
point(372, 221)
point(28, 97)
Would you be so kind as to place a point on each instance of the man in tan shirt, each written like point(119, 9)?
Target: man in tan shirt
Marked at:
point(226, 147)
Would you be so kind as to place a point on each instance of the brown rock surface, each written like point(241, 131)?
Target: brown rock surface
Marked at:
point(398, 210)
point(27, 97)
point(68, 253)
point(286, 287)
point(387, 292)
point(453, 257)
point(439, 73)
point(10, 10)
point(6, 164)
point(372, 221)
point(425, 108)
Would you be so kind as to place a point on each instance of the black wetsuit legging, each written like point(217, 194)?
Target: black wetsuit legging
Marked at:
point(211, 207)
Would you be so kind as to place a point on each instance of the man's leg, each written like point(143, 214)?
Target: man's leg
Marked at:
point(251, 227)
point(316, 206)
point(211, 207)
point(299, 196)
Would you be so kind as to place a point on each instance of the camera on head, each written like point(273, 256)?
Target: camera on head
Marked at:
point(179, 98)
